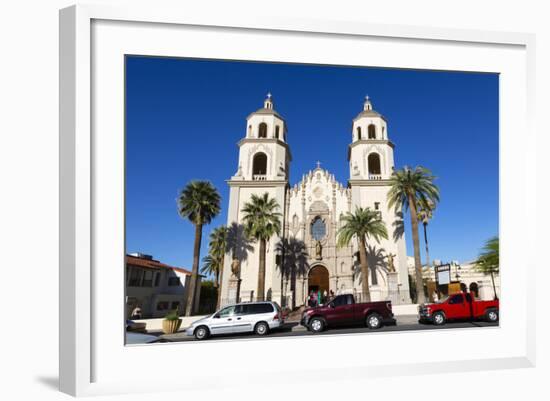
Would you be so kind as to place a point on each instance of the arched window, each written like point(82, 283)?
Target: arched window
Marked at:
point(262, 130)
point(372, 131)
point(318, 229)
point(359, 133)
point(259, 164)
point(277, 132)
point(374, 164)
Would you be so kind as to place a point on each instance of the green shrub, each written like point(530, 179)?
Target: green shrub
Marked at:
point(172, 315)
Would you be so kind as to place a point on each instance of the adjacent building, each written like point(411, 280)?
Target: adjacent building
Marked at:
point(465, 274)
point(155, 287)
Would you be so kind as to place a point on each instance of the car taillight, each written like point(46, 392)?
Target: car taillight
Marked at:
point(388, 305)
point(276, 317)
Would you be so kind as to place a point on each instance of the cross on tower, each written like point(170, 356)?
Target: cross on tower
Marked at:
point(318, 164)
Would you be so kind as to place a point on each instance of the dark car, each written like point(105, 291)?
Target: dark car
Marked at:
point(343, 311)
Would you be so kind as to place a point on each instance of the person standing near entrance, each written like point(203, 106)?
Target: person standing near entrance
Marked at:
point(319, 297)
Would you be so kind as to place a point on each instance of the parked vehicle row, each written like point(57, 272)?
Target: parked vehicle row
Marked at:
point(262, 317)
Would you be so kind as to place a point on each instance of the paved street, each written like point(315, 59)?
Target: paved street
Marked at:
point(404, 323)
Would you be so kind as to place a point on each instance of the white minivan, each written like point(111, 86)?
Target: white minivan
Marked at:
point(257, 317)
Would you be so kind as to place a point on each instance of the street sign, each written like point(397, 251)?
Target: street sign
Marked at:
point(443, 274)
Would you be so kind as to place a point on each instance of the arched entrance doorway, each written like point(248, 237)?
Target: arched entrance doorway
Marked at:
point(317, 280)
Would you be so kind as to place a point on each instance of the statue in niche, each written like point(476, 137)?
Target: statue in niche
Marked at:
point(355, 169)
point(282, 170)
point(391, 266)
point(318, 250)
point(235, 267)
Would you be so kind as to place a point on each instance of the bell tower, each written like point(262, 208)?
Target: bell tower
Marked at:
point(263, 152)
point(371, 165)
point(263, 167)
point(370, 154)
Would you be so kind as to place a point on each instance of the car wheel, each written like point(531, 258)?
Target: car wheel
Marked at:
point(439, 318)
point(261, 328)
point(492, 316)
point(374, 321)
point(316, 325)
point(201, 332)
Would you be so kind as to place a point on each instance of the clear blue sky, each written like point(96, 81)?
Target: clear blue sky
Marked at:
point(184, 118)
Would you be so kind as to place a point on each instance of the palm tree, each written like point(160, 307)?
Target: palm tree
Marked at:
point(425, 214)
point(294, 263)
point(217, 249)
point(211, 267)
point(362, 224)
point(488, 261)
point(408, 189)
point(199, 202)
point(261, 222)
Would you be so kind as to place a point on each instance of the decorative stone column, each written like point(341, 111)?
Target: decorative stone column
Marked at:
point(234, 290)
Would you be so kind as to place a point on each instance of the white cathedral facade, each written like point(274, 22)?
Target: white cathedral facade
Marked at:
point(305, 257)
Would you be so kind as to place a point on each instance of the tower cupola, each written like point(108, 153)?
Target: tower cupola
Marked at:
point(266, 123)
point(367, 106)
point(268, 102)
point(370, 153)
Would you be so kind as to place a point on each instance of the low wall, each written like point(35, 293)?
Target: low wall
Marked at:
point(154, 325)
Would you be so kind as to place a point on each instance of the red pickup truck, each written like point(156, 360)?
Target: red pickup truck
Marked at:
point(343, 311)
point(458, 307)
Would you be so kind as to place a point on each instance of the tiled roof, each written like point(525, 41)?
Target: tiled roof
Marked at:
point(152, 264)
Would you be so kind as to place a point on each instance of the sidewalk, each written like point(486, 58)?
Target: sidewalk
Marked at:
point(155, 325)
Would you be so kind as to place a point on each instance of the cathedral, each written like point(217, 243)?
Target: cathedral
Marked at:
point(305, 256)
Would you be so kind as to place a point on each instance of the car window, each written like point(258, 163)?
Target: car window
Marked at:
point(349, 299)
point(260, 308)
point(226, 312)
point(340, 300)
point(241, 310)
point(456, 299)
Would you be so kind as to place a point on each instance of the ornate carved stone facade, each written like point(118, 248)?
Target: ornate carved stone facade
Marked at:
point(305, 256)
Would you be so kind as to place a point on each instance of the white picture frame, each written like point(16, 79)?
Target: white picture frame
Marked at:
point(92, 361)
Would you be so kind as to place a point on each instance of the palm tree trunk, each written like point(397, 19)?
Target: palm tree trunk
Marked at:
point(416, 243)
point(364, 270)
point(219, 301)
point(494, 287)
point(189, 308)
point(426, 242)
point(261, 273)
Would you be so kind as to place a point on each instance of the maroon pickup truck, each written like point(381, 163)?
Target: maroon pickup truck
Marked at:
point(459, 306)
point(343, 311)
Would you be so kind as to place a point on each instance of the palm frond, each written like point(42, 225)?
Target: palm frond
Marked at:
point(199, 202)
point(364, 222)
point(260, 217)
